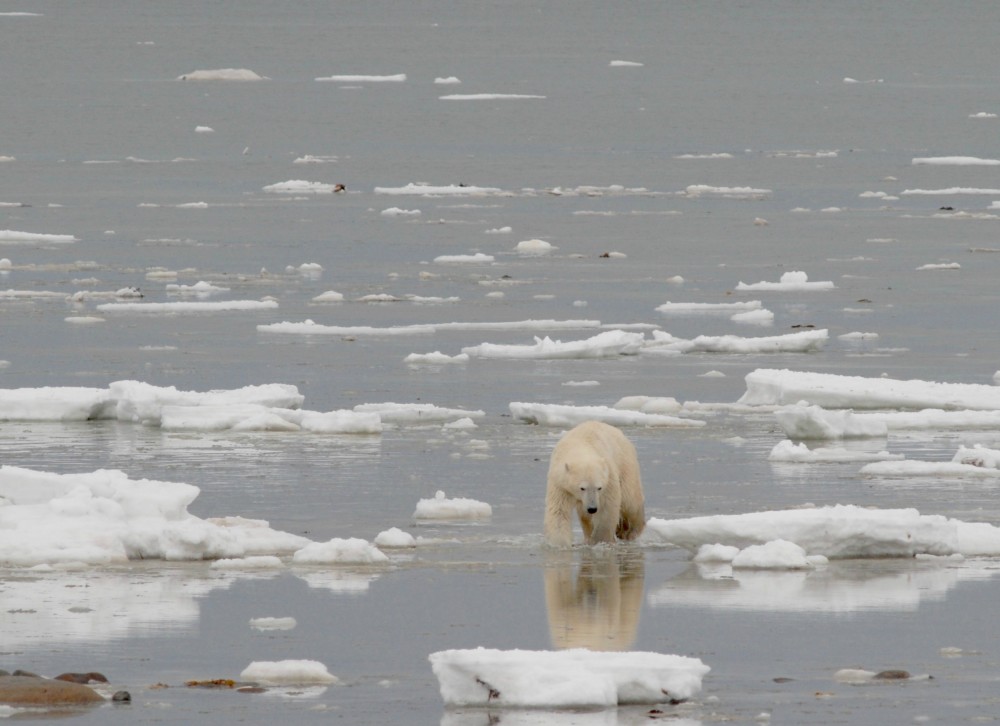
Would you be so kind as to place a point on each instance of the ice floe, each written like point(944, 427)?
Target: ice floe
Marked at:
point(250, 417)
point(222, 74)
point(12, 236)
point(309, 327)
point(603, 345)
point(566, 416)
point(696, 308)
point(949, 191)
point(287, 672)
point(429, 190)
point(350, 551)
point(356, 78)
point(955, 161)
point(489, 97)
point(459, 508)
point(272, 623)
point(104, 517)
point(793, 281)
point(212, 306)
point(767, 386)
point(704, 190)
point(976, 462)
point(130, 401)
point(301, 186)
point(835, 532)
point(790, 452)
point(576, 678)
point(804, 421)
point(394, 538)
point(415, 413)
point(477, 258)
point(534, 247)
point(801, 342)
point(199, 289)
point(435, 358)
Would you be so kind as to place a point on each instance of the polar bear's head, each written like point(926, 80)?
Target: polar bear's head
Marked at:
point(586, 481)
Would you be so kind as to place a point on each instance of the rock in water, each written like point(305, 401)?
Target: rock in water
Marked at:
point(32, 691)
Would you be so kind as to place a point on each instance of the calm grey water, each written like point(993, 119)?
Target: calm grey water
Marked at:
point(104, 147)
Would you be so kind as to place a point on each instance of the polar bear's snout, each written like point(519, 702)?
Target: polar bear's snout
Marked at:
point(591, 495)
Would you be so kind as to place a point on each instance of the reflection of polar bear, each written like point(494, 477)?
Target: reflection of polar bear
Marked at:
point(597, 606)
point(595, 471)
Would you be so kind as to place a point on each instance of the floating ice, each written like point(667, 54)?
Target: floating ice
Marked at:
point(447, 80)
point(975, 462)
point(415, 413)
point(105, 517)
point(269, 623)
point(940, 469)
point(435, 358)
point(608, 344)
point(787, 451)
point(352, 551)
point(802, 342)
point(693, 308)
point(534, 247)
point(222, 74)
point(440, 507)
point(794, 281)
point(777, 554)
point(200, 288)
point(940, 266)
point(131, 401)
point(649, 404)
point(437, 191)
point(576, 678)
point(300, 186)
point(489, 97)
point(551, 414)
point(625, 64)
point(308, 327)
point(394, 537)
point(779, 387)
point(287, 672)
point(836, 532)
point(951, 191)
point(11, 236)
point(704, 190)
point(478, 258)
point(395, 78)
point(259, 562)
point(754, 317)
point(955, 161)
point(328, 297)
point(251, 417)
point(397, 212)
point(803, 421)
point(220, 306)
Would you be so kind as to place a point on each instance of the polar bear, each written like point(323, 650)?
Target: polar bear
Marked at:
point(594, 471)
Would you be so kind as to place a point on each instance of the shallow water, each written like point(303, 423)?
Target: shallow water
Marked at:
point(762, 82)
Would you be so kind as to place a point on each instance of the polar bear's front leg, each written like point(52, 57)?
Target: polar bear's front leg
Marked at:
point(558, 519)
